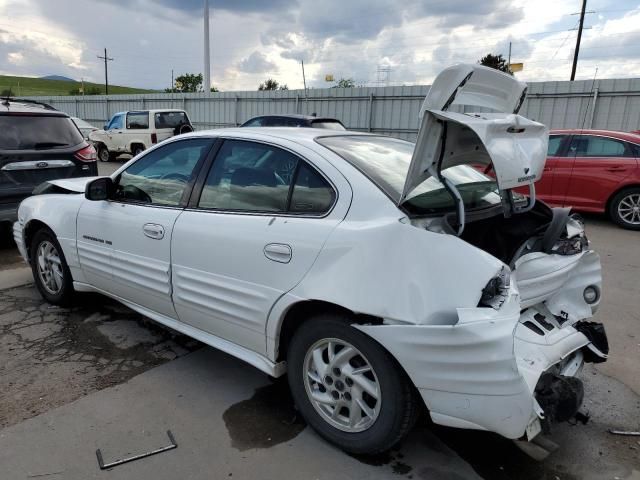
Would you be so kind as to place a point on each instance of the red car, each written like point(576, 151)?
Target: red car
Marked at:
point(594, 171)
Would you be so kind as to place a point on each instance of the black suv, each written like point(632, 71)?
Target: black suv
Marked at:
point(37, 143)
point(309, 121)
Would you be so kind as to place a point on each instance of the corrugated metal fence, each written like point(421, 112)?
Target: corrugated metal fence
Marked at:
point(608, 104)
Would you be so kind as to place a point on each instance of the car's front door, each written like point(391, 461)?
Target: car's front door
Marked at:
point(124, 244)
point(251, 235)
point(114, 137)
point(595, 167)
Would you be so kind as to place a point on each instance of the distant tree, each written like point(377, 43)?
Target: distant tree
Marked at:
point(495, 61)
point(271, 84)
point(188, 82)
point(214, 89)
point(345, 83)
point(6, 93)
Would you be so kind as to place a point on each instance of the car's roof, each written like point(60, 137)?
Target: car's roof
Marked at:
point(297, 116)
point(628, 136)
point(285, 133)
point(151, 111)
point(28, 106)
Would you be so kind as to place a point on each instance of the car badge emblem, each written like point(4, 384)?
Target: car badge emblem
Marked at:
point(526, 170)
point(42, 164)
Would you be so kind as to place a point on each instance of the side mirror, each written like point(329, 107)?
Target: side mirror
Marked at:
point(105, 126)
point(99, 189)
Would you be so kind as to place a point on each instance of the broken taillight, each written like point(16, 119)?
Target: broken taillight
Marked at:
point(86, 154)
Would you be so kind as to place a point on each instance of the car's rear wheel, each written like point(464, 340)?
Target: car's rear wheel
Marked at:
point(50, 270)
point(103, 153)
point(625, 208)
point(349, 388)
point(137, 150)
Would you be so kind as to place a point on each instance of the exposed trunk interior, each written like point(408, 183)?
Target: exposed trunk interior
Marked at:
point(503, 237)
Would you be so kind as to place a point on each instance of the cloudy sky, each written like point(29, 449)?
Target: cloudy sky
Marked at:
point(252, 40)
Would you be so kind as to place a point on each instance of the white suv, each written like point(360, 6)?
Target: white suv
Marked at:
point(135, 131)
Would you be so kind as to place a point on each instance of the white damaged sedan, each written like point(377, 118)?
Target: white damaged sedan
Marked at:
point(381, 276)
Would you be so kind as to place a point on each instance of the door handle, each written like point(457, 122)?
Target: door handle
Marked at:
point(546, 169)
point(153, 230)
point(278, 252)
point(616, 169)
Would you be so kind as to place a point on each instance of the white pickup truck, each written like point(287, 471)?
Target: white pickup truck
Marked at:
point(134, 131)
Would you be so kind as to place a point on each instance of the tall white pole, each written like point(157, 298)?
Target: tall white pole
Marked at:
point(207, 66)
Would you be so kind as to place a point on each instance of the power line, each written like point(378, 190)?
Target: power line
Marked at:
point(106, 70)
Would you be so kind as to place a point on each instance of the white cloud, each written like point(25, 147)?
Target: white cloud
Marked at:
point(252, 40)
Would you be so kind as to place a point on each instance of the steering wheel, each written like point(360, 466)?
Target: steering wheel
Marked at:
point(175, 176)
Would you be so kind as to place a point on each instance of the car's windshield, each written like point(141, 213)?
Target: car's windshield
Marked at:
point(386, 162)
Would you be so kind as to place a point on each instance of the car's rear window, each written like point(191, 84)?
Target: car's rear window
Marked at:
point(329, 124)
point(170, 119)
point(29, 132)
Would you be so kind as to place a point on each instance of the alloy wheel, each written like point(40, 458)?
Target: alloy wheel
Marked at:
point(49, 267)
point(342, 385)
point(629, 209)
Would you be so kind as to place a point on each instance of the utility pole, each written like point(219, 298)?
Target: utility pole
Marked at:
point(509, 61)
point(106, 74)
point(577, 51)
point(172, 80)
point(304, 81)
point(207, 66)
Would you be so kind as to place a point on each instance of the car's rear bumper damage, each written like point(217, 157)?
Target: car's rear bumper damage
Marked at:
point(505, 370)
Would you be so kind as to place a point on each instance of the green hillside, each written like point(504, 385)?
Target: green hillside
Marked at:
point(27, 86)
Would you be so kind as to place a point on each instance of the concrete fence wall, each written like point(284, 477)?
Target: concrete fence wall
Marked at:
point(608, 104)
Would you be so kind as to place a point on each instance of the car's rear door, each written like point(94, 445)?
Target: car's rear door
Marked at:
point(124, 244)
point(595, 166)
point(251, 235)
point(38, 147)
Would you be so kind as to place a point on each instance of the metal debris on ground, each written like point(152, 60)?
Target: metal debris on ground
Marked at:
point(625, 433)
point(104, 466)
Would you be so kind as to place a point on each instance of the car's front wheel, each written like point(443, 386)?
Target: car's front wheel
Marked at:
point(50, 270)
point(349, 388)
point(625, 208)
point(103, 153)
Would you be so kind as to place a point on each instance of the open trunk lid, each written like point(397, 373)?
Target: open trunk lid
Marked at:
point(516, 146)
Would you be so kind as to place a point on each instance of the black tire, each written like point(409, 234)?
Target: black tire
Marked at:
point(137, 150)
point(399, 406)
point(628, 196)
point(65, 293)
point(103, 154)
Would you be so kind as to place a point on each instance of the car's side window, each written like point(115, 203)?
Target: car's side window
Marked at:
point(249, 176)
point(254, 177)
point(116, 123)
point(161, 176)
point(311, 192)
point(593, 146)
point(137, 120)
point(555, 142)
